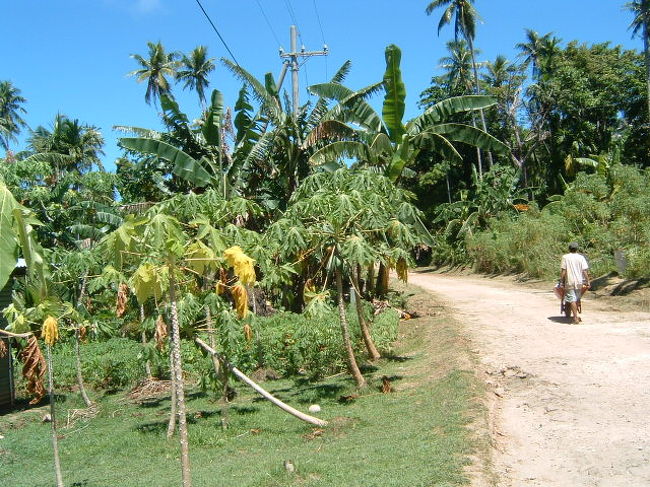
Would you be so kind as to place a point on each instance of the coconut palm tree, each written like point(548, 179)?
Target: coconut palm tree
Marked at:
point(10, 110)
point(70, 145)
point(464, 15)
point(531, 50)
point(194, 70)
point(458, 68)
point(155, 70)
point(641, 26)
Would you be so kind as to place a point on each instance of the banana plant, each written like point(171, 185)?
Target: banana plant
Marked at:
point(196, 152)
point(385, 141)
point(275, 153)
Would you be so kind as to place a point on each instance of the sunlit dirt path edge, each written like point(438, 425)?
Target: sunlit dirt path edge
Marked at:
point(570, 405)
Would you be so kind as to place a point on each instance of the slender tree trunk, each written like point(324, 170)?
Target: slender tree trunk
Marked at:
point(470, 41)
point(80, 379)
point(171, 424)
point(345, 330)
point(382, 280)
point(213, 341)
point(143, 335)
point(55, 441)
point(220, 372)
point(370, 281)
point(363, 324)
point(177, 362)
point(646, 49)
point(77, 348)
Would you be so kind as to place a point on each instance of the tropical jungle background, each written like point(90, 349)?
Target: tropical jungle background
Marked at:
point(259, 236)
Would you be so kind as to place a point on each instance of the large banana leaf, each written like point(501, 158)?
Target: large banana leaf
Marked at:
point(400, 159)
point(437, 143)
point(467, 134)
point(32, 251)
point(269, 103)
point(444, 109)
point(211, 129)
point(339, 150)
point(394, 105)
point(173, 114)
point(352, 106)
point(185, 166)
point(8, 242)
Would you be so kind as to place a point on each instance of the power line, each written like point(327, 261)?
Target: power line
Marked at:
point(294, 19)
point(214, 27)
point(292, 14)
point(322, 35)
point(320, 25)
point(268, 23)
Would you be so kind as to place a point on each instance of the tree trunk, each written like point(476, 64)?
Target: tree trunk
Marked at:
point(470, 41)
point(245, 379)
point(382, 280)
point(80, 379)
point(363, 324)
point(646, 49)
point(219, 371)
point(77, 348)
point(55, 441)
point(171, 424)
point(370, 281)
point(147, 364)
point(177, 363)
point(345, 331)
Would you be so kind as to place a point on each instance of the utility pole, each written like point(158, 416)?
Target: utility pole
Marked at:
point(291, 59)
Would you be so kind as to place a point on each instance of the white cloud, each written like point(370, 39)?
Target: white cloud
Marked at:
point(146, 6)
point(137, 6)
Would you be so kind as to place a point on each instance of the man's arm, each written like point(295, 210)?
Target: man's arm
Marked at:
point(563, 277)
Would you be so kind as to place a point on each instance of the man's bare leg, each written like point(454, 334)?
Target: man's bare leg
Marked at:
point(574, 312)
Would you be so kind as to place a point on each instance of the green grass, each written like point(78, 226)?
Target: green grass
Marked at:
point(416, 436)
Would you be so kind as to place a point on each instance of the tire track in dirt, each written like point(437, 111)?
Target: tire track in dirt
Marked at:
point(573, 402)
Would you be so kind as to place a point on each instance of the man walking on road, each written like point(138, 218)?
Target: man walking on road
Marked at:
point(573, 277)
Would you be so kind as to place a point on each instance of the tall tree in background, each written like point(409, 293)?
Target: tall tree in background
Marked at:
point(10, 110)
point(641, 26)
point(531, 50)
point(79, 144)
point(464, 15)
point(155, 70)
point(194, 70)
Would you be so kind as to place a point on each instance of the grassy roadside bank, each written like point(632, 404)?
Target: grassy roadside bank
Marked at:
point(424, 433)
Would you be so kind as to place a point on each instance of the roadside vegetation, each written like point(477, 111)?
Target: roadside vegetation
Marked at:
point(422, 423)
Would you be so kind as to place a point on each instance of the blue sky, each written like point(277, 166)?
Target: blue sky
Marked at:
point(72, 56)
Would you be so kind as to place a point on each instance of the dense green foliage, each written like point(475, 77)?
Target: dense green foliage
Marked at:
point(605, 214)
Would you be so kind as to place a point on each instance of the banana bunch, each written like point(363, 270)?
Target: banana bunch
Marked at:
point(50, 330)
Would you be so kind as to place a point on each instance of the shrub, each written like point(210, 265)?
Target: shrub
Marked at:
point(114, 363)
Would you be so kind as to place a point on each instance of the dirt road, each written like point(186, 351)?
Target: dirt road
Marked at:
point(573, 401)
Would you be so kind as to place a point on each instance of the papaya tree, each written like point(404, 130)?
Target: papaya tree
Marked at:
point(342, 221)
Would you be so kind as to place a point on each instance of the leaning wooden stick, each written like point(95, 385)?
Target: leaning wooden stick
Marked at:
point(15, 335)
point(241, 376)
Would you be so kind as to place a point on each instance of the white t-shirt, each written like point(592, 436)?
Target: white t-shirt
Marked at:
point(575, 264)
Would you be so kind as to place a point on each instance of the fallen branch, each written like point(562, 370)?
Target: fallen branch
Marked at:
point(15, 335)
point(244, 378)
